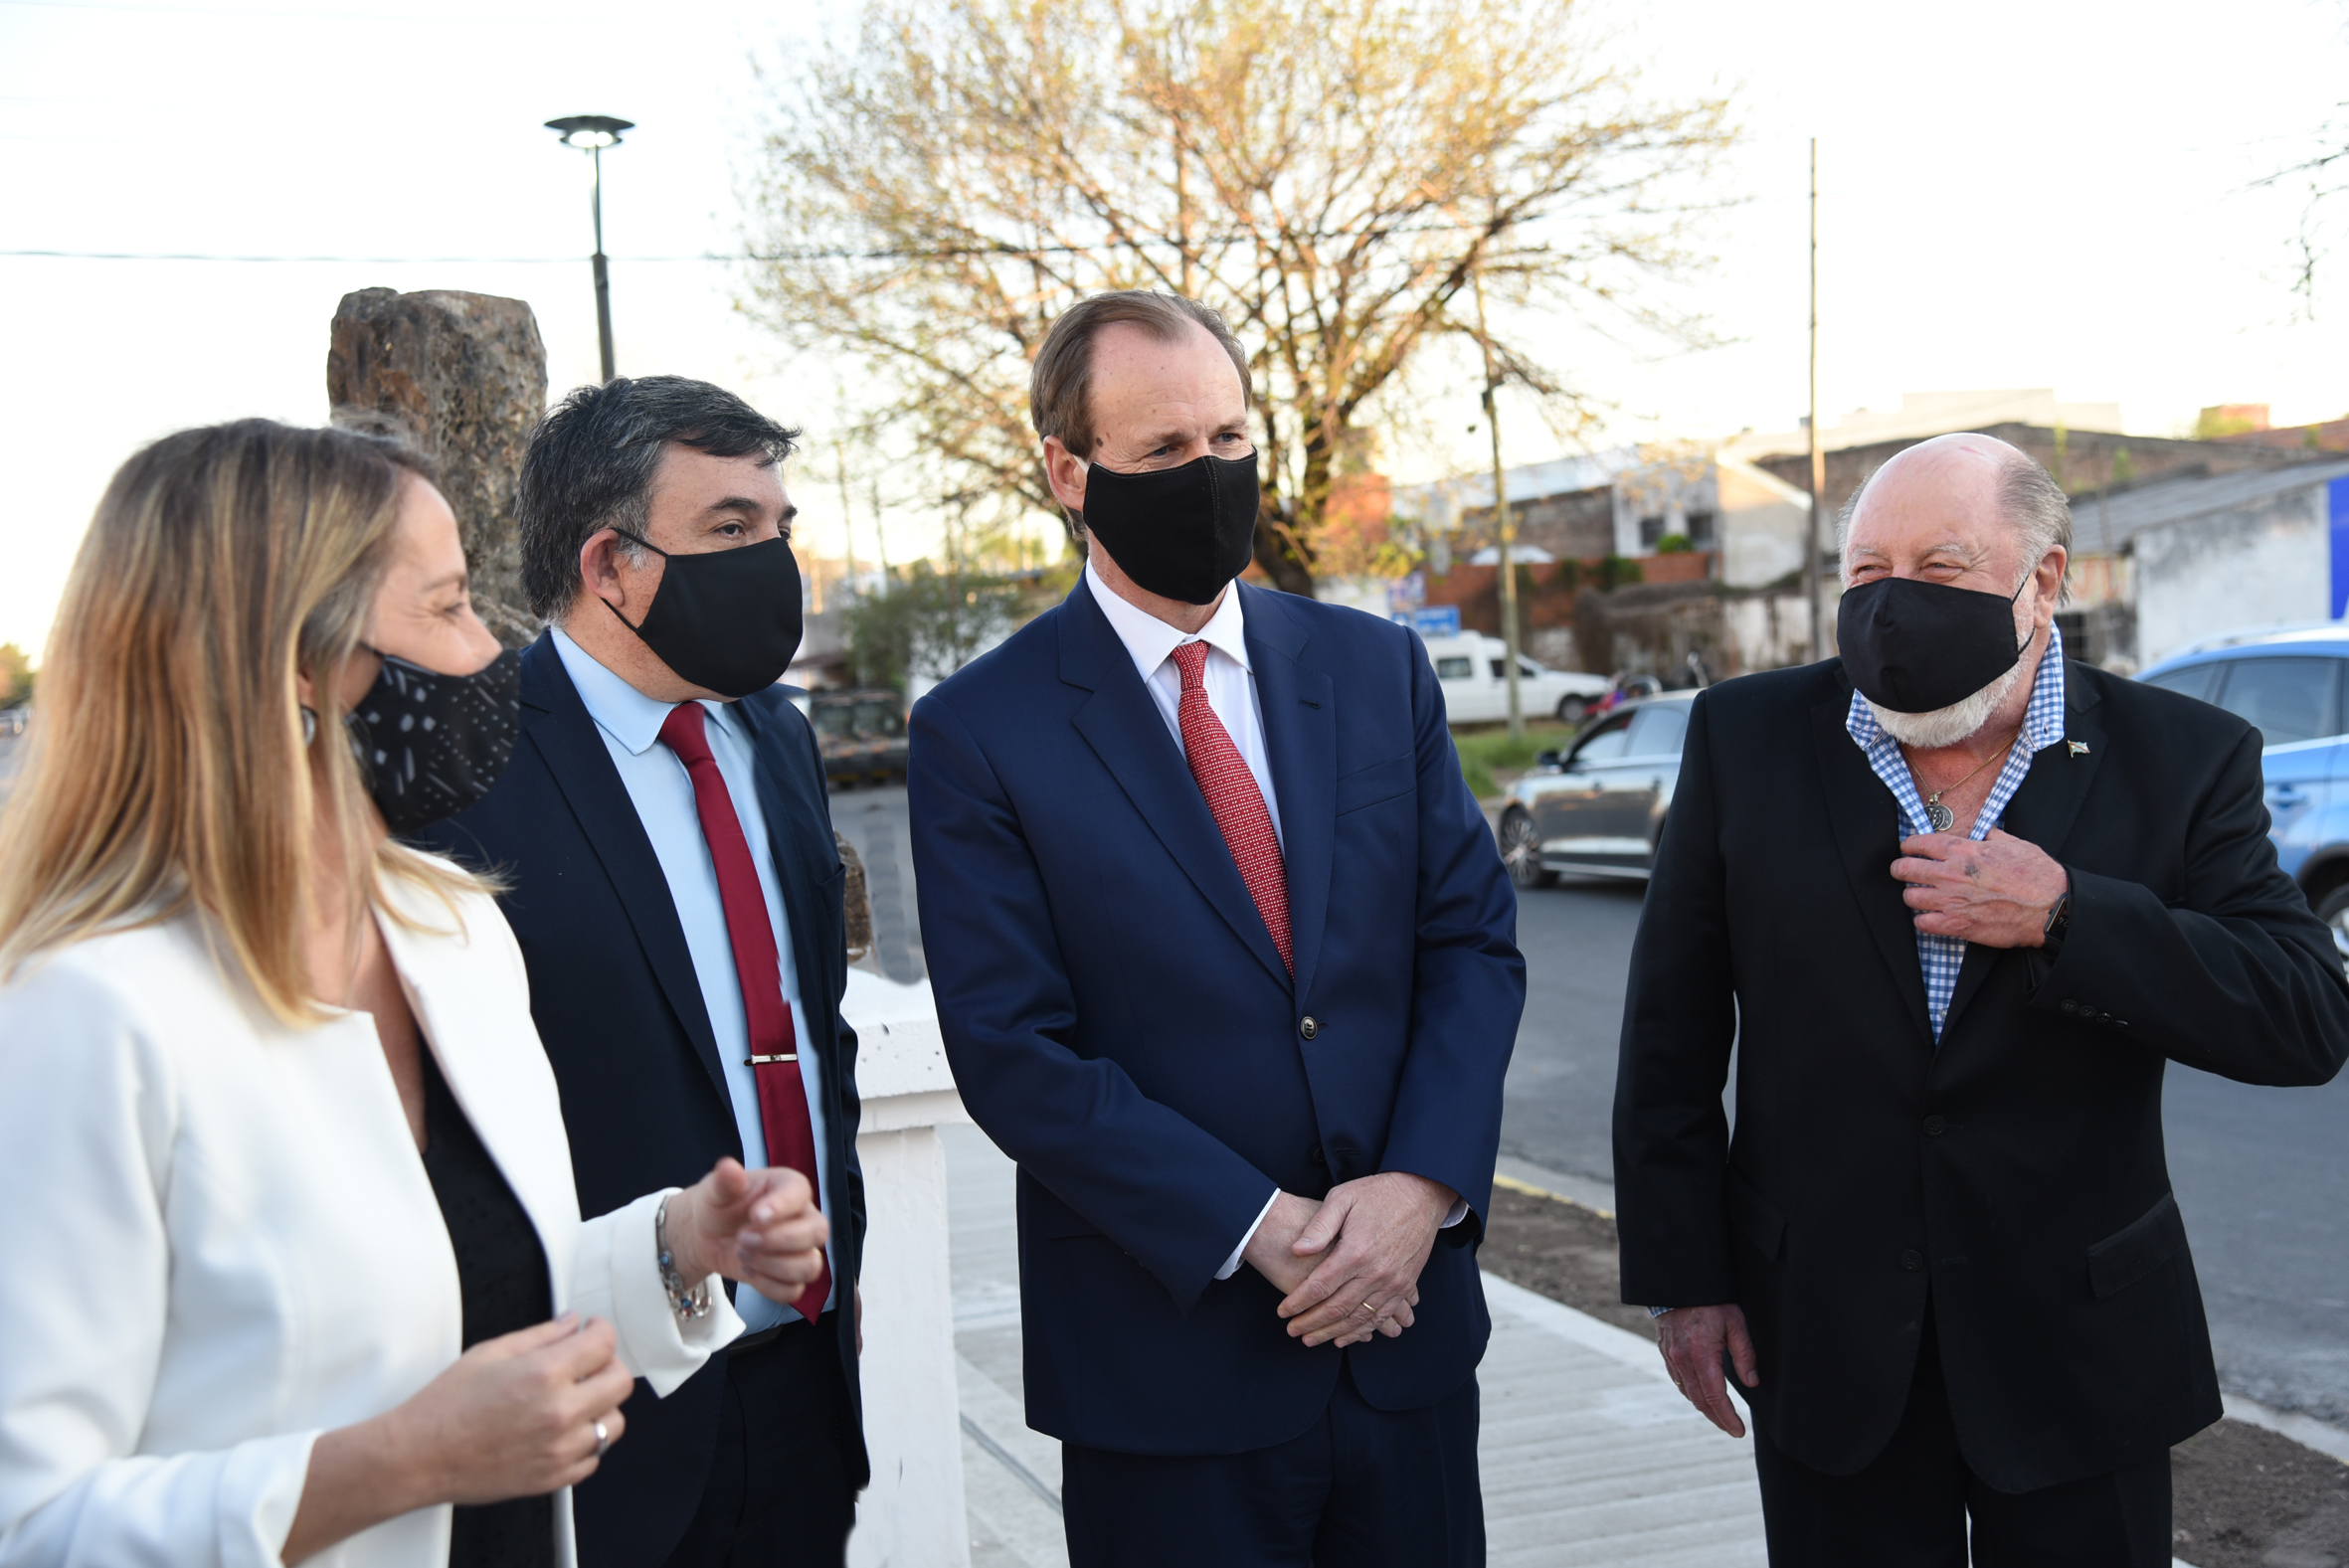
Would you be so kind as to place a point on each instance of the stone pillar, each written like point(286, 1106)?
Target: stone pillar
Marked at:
point(465, 377)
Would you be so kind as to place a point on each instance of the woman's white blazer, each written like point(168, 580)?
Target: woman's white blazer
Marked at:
point(217, 1240)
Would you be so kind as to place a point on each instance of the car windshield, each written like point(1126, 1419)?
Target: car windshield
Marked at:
point(2194, 680)
point(2287, 700)
point(1657, 731)
point(1606, 741)
point(834, 720)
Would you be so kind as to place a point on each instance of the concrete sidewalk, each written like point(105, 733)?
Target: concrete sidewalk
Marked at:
point(1590, 1454)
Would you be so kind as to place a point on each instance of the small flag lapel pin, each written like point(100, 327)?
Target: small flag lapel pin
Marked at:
point(2079, 748)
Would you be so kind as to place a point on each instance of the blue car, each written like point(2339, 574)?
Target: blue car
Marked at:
point(2290, 684)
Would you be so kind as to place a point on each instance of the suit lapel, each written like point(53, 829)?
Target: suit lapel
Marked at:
point(2044, 806)
point(1866, 823)
point(556, 722)
point(1122, 726)
point(1300, 743)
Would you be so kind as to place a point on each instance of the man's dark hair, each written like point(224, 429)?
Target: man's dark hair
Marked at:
point(592, 460)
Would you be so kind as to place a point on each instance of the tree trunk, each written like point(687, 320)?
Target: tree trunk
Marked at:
point(1289, 573)
point(463, 376)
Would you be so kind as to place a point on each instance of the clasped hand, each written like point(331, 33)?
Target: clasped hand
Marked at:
point(1996, 891)
point(1371, 1237)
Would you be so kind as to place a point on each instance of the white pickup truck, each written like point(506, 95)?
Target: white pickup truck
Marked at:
point(1473, 670)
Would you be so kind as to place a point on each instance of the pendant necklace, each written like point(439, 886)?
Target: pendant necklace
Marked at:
point(1940, 815)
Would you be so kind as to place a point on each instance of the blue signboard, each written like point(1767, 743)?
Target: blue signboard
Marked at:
point(1435, 621)
point(2336, 497)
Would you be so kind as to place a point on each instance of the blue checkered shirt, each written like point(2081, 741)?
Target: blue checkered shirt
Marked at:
point(2043, 726)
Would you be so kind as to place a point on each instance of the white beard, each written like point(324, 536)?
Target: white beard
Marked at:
point(1959, 721)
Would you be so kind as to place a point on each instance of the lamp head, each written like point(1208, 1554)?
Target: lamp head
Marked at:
point(589, 132)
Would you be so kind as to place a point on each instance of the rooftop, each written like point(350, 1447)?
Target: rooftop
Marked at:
point(2103, 522)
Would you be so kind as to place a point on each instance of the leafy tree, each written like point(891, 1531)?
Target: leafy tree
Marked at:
point(929, 624)
point(1330, 175)
point(16, 676)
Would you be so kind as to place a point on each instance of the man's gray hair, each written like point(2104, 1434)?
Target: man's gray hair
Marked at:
point(2028, 497)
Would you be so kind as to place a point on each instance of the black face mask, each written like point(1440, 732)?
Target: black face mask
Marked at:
point(728, 621)
point(1915, 646)
point(430, 745)
point(1180, 533)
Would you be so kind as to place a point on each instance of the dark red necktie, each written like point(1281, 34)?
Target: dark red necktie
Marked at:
point(775, 1052)
point(1233, 799)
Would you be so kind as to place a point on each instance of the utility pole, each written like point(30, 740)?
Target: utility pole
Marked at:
point(1504, 518)
point(1817, 457)
point(848, 511)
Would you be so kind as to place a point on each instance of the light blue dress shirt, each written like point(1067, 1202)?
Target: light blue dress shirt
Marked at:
point(662, 792)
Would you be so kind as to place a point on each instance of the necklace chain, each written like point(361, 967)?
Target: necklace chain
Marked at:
point(1939, 815)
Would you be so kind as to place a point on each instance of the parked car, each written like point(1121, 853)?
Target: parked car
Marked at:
point(1474, 672)
point(1598, 808)
point(860, 732)
point(2291, 685)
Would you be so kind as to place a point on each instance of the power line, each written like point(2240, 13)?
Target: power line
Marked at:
point(929, 252)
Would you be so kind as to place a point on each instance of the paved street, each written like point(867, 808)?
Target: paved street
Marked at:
point(2263, 1174)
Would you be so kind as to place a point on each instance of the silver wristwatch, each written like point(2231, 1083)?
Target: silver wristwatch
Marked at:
point(688, 1304)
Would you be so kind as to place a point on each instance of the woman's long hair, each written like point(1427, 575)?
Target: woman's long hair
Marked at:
point(168, 767)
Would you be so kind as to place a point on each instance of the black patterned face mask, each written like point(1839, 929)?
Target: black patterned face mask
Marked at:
point(431, 744)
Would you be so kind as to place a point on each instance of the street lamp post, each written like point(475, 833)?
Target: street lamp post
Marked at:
point(592, 133)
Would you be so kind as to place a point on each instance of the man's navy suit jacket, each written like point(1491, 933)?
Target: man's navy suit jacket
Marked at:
point(1121, 1024)
point(618, 1005)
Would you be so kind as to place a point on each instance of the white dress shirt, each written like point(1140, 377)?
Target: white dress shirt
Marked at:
point(662, 792)
point(219, 1241)
point(1230, 682)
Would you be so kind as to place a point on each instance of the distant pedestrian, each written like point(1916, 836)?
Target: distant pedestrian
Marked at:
point(1955, 903)
point(277, 1138)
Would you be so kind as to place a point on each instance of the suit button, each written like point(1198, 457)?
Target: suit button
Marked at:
point(2070, 1005)
point(1308, 1029)
point(1321, 1161)
point(1935, 1126)
point(1913, 1261)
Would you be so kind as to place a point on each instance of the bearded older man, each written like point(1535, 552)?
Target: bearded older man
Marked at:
point(1957, 903)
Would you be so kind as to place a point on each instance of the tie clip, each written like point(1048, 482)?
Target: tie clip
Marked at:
point(762, 1061)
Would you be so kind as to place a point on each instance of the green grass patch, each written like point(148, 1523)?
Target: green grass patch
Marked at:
point(1486, 752)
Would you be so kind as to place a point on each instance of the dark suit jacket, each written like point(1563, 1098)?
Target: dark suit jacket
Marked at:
point(1121, 1024)
point(2015, 1173)
point(612, 989)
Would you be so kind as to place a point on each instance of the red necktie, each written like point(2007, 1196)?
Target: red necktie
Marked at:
point(774, 1058)
point(1233, 799)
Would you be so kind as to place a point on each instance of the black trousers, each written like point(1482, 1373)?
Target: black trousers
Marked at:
point(779, 1494)
point(1911, 1506)
point(1358, 1488)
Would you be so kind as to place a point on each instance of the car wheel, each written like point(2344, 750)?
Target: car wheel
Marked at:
point(1573, 710)
point(1520, 851)
point(2333, 910)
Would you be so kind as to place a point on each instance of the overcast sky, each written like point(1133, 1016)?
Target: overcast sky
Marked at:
point(2048, 193)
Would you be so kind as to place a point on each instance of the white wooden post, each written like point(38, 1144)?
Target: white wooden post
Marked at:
point(911, 1517)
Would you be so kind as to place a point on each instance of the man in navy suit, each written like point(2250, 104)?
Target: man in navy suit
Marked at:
point(1225, 960)
point(666, 839)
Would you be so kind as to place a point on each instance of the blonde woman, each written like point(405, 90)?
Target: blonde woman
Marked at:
point(290, 1264)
